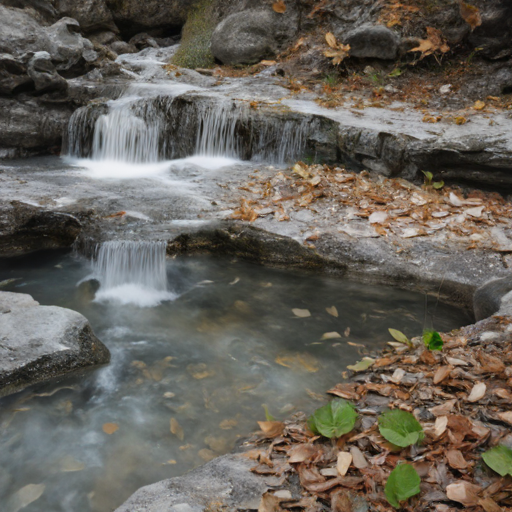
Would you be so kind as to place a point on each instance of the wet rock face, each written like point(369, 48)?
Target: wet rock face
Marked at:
point(224, 483)
point(493, 296)
point(25, 228)
point(252, 35)
point(13, 74)
point(42, 71)
point(373, 41)
point(92, 15)
point(155, 16)
point(42, 342)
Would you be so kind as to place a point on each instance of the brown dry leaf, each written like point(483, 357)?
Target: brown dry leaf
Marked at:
point(443, 409)
point(69, 465)
point(441, 373)
point(301, 313)
point(346, 390)
point(479, 105)
point(110, 428)
point(491, 364)
point(271, 428)
point(459, 120)
point(177, 429)
point(228, 424)
point(478, 392)
point(341, 502)
point(207, 455)
point(440, 425)
point(343, 463)
point(332, 311)
point(463, 492)
point(456, 460)
point(470, 14)
point(268, 62)
point(298, 362)
point(358, 458)
point(331, 40)
point(506, 417)
point(200, 371)
point(330, 335)
point(279, 6)
point(489, 505)
point(338, 55)
point(302, 452)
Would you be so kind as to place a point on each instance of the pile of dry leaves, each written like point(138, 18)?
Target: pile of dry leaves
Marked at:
point(461, 396)
point(391, 207)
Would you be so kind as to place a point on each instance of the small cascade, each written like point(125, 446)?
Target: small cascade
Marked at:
point(127, 134)
point(132, 273)
point(138, 130)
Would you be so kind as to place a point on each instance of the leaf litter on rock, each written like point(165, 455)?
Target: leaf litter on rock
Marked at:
point(457, 435)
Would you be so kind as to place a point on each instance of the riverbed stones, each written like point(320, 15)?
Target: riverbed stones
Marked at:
point(225, 483)
point(13, 74)
point(38, 343)
point(373, 41)
point(92, 15)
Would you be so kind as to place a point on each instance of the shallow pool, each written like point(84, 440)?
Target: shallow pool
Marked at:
point(188, 377)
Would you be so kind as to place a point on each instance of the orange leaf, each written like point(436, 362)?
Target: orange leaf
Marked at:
point(331, 40)
point(110, 428)
point(471, 15)
point(279, 6)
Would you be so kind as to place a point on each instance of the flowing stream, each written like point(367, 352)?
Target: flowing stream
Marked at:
point(222, 341)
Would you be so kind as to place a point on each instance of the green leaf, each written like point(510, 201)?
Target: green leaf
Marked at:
point(268, 416)
point(432, 340)
point(400, 428)
point(396, 72)
point(403, 483)
point(438, 184)
point(334, 419)
point(428, 175)
point(362, 365)
point(499, 459)
point(400, 336)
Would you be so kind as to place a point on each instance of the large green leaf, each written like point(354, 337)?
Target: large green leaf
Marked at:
point(400, 428)
point(403, 482)
point(433, 340)
point(499, 459)
point(334, 419)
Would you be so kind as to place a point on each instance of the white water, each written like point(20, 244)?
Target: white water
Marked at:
point(132, 273)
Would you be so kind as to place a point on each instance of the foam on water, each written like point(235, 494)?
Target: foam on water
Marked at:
point(132, 273)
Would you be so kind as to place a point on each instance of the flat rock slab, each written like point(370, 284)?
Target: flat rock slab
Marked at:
point(41, 342)
point(226, 483)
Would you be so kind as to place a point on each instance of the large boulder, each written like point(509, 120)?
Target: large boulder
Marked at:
point(92, 15)
point(42, 71)
point(492, 297)
point(249, 36)
point(154, 16)
point(42, 342)
point(373, 42)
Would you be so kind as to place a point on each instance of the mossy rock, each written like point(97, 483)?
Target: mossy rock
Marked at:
point(195, 50)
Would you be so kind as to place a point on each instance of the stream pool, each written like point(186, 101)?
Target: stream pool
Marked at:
point(202, 364)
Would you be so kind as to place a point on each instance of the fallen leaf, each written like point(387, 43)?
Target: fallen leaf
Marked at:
point(110, 428)
point(478, 392)
point(331, 40)
point(207, 455)
point(301, 313)
point(343, 463)
point(358, 459)
point(441, 373)
point(475, 212)
point(279, 6)
point(177, 429)
point(489, 505)
point(228, 424)
point(268, 62)
point(463, 492)
point(69, 465)
point(506, 417)
point(479, 105)
point(200, 371)
point(440, 425)
point(456, 459)
point(302, 452)
point(470, 14)
point(330, 335)
point(271, 428)
point(362, 365)
point(25, 496)
point(443, 409)
point(332, 311)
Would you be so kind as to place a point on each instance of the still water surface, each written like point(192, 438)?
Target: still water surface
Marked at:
point(208, 360)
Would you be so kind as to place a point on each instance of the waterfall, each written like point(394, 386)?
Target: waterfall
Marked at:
point(132, 273)
point(138, 130)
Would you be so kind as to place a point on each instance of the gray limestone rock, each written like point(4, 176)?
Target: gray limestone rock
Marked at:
point(92, 15)
point(226, 482)
point(373, 41)
point(493, 297)
point(43, 73)
point(13, 74)
point(41, 342)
